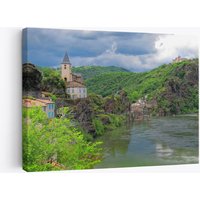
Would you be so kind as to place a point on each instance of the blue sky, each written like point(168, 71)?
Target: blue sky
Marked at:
point(133, 51)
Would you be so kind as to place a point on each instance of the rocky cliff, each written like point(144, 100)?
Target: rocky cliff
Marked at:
point(101, 109)
point(31, 80)
point(180, 91)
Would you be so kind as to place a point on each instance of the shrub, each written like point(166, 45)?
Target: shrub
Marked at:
point(54, 144)
point(98, 125)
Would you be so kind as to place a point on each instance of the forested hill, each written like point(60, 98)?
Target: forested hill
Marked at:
point(174, 86)
point(91, 71)
point(52, 82)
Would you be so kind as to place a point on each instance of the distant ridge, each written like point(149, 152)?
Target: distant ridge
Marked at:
point(92, 71)
point(172, 87)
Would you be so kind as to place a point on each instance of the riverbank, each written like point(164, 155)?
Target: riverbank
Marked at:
point(159, 141)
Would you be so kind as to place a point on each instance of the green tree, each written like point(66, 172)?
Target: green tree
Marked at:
point(53, 84)
point(54, 144)
point(134, 96)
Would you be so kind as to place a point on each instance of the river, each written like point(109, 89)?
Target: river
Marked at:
point(159, 141)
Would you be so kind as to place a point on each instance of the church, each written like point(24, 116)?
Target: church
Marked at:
point(75, 87)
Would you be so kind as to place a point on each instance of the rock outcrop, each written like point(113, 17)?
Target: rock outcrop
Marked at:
point(85, 110)
point(32, 78)
point(117, 104)
point(181, 91)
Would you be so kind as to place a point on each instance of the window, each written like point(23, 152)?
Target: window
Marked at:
point(64, 66)
point(50, 114)
point(50, 106)
point(72, 90)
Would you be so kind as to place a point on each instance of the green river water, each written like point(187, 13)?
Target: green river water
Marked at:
point(159, 141)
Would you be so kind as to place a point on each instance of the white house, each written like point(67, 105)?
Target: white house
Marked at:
point(74, 82)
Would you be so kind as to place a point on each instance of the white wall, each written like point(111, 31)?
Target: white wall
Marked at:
point(132, 183)
point(77, 92)
point(10, 100)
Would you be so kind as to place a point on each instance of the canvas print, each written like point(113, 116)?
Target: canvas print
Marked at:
point(101, 99)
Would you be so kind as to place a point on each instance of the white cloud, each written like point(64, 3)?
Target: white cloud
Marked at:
point(134, 51)
point(167, 48)
point(113, 48)
point(170, 46)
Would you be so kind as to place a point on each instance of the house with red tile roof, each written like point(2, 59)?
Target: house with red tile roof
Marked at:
point(47, 106)
point(178, 59)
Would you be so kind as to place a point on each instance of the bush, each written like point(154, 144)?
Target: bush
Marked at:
point(54, 144)
point(98, 125)
point(105, 122)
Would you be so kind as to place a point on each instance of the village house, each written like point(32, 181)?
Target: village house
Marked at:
point(75, 87)
point(140, 109)
point(179, 59)
point(47, 106)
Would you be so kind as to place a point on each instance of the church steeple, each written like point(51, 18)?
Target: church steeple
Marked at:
point(66, 73)
point(66, 59)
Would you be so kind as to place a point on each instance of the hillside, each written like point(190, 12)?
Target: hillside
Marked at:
point(91, 71)
point(173, 87)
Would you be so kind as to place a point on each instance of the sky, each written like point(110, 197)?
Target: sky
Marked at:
point(133, 51)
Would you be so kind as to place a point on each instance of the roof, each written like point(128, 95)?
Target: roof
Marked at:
point(47, 101)
point(35, 102)
point(77, 74)
point(74, 84)
point(179, 59)
point(31, 103)
point(66, 59)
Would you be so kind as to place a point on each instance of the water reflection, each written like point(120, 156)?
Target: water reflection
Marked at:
point(116, 142)
point(163, 151)
point(160, 141)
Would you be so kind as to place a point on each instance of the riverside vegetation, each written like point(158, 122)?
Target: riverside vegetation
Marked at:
point(67, 142)
point(55, 144)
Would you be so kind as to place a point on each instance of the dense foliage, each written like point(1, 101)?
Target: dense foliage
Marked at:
point(107, 122)
point(51, 81)
point(96, 114)
point(91, 71)
point(55, 144)
point(174, 87)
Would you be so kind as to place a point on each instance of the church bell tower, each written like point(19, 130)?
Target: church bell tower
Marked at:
point(66, 73)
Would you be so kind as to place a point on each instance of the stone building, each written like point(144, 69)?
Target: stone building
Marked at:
point(179, 59)
point(75, 87)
